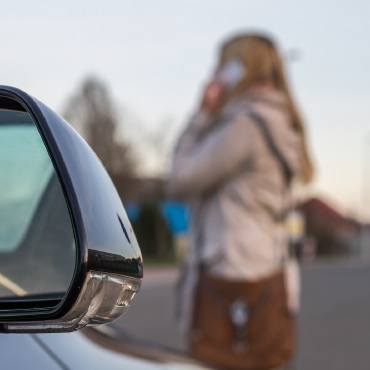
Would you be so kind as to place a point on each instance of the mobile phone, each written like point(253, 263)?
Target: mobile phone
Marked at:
point(231, 73)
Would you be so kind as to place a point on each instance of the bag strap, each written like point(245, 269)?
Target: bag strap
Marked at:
point(261, 124)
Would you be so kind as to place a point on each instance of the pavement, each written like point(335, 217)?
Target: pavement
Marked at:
point(334, 324)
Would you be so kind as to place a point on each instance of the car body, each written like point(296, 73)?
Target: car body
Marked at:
point(86, 349)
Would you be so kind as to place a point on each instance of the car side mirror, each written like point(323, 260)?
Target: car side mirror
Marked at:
point(68, 254)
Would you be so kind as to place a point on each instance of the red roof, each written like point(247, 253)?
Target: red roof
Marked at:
point(319, 213)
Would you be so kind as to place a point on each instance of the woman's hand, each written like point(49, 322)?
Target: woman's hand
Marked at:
point(212, 97)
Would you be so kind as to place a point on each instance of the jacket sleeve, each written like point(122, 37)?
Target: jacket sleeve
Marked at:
point(200, 165)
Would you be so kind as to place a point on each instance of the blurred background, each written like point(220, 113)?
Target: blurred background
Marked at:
point(128, 74)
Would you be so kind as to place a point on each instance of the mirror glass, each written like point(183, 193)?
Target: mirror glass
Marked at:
point(37, 247)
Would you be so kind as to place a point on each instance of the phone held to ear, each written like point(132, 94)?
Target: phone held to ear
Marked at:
point(231, 74)
point(225, 79)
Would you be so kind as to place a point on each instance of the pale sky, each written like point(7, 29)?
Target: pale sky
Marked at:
point(155, 55)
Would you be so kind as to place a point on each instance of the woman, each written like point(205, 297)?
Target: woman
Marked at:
point(236, 163)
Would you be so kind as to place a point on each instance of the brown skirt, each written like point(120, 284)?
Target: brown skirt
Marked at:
point(260, 337)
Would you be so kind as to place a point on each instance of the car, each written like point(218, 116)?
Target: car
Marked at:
point(69, 256)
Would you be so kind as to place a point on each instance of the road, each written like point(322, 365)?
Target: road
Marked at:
point(334, 325)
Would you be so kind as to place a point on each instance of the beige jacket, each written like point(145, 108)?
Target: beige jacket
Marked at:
point(236, 187)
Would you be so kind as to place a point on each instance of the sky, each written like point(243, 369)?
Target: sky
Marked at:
point(156, 55)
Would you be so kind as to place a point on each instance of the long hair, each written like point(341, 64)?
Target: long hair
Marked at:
point(264, 65)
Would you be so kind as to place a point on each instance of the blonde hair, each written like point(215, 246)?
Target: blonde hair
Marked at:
point(264, 65)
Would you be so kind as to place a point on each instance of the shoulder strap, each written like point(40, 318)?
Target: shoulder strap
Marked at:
point(261, 124)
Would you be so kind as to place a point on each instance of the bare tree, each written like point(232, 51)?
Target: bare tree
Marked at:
point(92, 112)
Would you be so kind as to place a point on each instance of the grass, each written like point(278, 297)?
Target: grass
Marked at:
point(157, 262)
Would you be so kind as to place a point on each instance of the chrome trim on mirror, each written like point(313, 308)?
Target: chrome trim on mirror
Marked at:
point(103, 298)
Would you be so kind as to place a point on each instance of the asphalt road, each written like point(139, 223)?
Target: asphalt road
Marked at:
point(334, 324)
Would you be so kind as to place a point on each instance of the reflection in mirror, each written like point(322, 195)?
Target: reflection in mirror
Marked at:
point(37, 248)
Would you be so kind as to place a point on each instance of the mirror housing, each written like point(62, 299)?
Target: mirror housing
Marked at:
point(109, 265)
